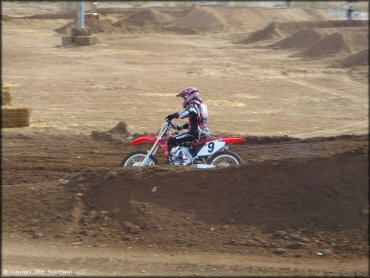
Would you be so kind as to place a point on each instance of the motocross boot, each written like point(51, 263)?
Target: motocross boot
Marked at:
point(185, 160)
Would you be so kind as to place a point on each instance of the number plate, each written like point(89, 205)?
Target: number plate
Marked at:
point(211, 148)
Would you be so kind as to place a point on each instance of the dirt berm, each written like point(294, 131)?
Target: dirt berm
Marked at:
point(279, 30)
point(278, 194)
point(194, 20)
point(211, 209)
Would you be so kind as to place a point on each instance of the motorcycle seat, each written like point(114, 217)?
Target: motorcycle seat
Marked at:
point(202, 142)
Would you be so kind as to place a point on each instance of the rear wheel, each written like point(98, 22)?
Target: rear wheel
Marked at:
point(133, 159)
point(225, 159)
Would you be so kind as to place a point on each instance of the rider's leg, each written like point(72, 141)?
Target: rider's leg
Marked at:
point(180, 140)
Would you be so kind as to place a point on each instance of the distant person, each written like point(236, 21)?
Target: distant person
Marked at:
point(349, 12)
point(288, 3)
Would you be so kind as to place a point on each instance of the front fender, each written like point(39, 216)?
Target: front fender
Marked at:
point(144, 139)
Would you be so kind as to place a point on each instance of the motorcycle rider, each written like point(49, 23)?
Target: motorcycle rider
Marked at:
point(197, 112)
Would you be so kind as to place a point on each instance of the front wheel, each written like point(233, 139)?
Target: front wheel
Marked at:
point(133, 159)
point(225, 159)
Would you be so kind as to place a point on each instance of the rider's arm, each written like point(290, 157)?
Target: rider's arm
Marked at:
point(172, 116)
point(191, 110)
point(184, 114)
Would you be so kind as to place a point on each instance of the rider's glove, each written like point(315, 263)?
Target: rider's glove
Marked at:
point(172, 116)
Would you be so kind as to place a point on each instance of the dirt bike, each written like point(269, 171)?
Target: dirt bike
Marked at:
point(208, 153)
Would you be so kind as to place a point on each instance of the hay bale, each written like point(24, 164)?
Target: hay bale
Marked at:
point(15, 116)
point(5, 96)
point(82, 32)
point(66, 40)
point(85, 40)
point(5, 88)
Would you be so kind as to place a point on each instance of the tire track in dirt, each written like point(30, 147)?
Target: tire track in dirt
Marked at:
point(126, 261)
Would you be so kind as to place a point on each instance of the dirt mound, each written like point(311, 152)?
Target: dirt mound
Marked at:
point(149, 16)
point(198, 19)
point(145, 20)
point(293, 194)
point(130, 21)
point(104, 25)
point(120, 128)
point(318, 43)
point(278, 30)
point(341, 40)
point(360, 58)
point(300, 39)
point(328, 46)
point(312, 191)
point(212, 19)
point(355, 38)
point(116, 134)
point(96, 26)
point(215, 209)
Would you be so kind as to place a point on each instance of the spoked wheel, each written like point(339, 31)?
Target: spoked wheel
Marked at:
point(225, 159)
point(134, 159)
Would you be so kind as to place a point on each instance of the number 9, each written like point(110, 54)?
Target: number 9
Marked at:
point(211, 147)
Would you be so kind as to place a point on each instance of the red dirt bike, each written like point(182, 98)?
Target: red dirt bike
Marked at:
point(209, 153)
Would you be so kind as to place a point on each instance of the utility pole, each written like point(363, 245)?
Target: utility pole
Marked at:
point(81, 15)
point(80, 35)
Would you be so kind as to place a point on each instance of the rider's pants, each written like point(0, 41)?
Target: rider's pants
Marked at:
point(180, 139)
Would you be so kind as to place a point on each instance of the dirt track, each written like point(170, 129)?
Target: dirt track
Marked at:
point(298, 207)
point(88, 201)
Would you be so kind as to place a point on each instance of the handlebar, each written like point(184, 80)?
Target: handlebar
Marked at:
point(170, 123)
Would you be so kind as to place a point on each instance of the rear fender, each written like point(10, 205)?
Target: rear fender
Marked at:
point(230, 141)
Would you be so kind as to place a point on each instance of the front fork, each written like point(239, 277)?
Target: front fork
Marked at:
point(153, 149)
